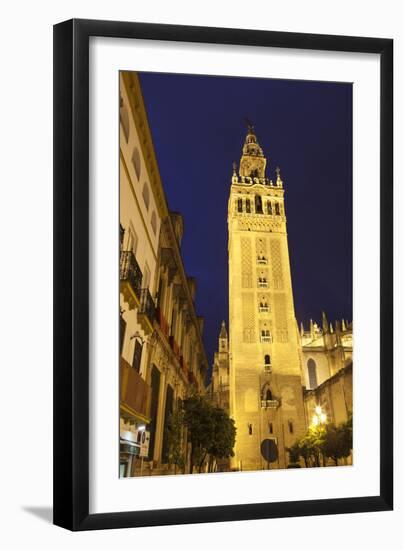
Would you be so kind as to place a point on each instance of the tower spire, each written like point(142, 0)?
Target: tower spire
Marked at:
point(223, 331)
point(325, 324)
point(253, 161)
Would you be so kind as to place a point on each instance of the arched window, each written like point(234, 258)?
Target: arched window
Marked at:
point(277, 207)
point(136, 162)
point(258, 204)
point(313, 380)
point(154, 222)
point(247, 206)
point(146, 195)
point(124, 119)
point(267, 394)
point(269, 208)
point(240, 208)
point(267, 359)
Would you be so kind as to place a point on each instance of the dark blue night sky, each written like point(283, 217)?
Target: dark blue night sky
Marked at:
point(198, 129)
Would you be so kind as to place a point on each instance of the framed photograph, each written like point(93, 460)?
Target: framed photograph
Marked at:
point(223, 260)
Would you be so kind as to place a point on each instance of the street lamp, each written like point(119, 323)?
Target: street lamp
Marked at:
point(319, 418)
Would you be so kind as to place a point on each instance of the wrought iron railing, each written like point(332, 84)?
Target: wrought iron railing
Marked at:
point(130, 271)
point(269, 403)
point(147, 305)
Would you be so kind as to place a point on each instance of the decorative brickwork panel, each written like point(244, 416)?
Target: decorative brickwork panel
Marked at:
point(248, 318)
point(277, 268)
point(246, 262)
point(280, 315)
point(261, 247)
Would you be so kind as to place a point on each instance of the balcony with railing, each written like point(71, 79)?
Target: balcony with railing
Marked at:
point(130, 278)
point(270, 403)
point(135, 393)
point(147, 311)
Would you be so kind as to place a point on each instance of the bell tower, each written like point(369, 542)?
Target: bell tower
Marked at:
point(265, 368)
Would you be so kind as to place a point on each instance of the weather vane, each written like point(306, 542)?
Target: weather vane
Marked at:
point(249, 124)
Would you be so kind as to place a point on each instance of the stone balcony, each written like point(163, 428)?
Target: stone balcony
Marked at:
point(135, 393)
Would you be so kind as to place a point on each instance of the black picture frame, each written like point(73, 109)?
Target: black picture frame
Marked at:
point(72, 284)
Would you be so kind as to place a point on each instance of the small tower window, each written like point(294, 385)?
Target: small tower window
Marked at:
point(258, 204)
point(240, 207)
point(263, 306)
point(265, 335)
point(277, 207)
point(261, 260)
point(266, 394)
point(247, 203)
point(250, 429)
point(270, 427)
point(269, 208)
point(290, 427)
point(262, 282)
point(267, 359)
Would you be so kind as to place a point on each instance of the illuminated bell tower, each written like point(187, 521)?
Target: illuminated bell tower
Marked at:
point(265, 369)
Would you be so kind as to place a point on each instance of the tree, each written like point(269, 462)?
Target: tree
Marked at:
point(176, 453)
point(324, 441)
point(294, 452)
point(199, 421)
point(338, 442)
point(211, 431)
point(222, 437)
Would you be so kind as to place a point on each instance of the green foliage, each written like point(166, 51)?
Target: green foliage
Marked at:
point(211, 430)
point(294, 452)
point(176, 453)
point(322, 442)
point(339, 440)
point(223, 435)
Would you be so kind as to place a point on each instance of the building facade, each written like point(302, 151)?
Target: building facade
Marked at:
point(266, 399)
point(325, 350)
point(161, 349)
point(327, 364)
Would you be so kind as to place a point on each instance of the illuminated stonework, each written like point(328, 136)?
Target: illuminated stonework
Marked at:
point(266, 398)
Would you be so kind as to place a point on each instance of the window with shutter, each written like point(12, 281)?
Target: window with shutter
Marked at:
point(138, 348)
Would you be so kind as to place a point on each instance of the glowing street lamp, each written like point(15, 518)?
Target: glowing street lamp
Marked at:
point(319, 418)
